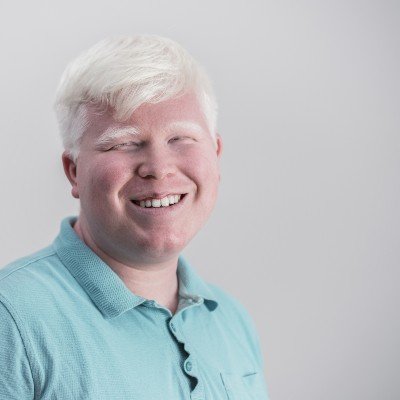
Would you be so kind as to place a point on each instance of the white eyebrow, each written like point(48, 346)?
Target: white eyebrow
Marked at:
point(113, 133)
point(186, 125)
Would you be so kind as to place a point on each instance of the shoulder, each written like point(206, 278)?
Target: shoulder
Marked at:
point(26, 262)
point(29, 278)
point(235, 314)
point(227, 302)
point(25, 267)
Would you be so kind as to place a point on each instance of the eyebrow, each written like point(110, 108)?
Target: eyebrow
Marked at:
point(112, 133)
point(186, 125)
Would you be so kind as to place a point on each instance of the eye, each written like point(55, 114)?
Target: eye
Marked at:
point(125, 145)
point(180, 138)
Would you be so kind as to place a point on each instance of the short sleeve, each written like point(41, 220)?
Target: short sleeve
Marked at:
point(16, 381)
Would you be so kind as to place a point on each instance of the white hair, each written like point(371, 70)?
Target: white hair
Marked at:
point(121, 74)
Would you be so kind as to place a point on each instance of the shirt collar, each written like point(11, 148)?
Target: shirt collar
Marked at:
point(106, 289)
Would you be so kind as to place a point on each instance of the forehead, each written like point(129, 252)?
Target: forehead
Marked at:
point(169, 115)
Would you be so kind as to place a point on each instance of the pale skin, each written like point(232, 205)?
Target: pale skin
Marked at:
point(170, 150)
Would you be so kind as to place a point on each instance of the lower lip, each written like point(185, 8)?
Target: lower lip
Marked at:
point(160, 210)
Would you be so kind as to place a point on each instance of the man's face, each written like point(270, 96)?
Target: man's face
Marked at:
point(171, 153)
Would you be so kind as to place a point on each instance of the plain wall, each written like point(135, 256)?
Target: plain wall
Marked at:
point(306, 230)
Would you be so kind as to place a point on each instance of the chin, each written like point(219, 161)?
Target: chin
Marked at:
point(163, 247)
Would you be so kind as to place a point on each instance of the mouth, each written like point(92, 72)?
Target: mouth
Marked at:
point(168, 201)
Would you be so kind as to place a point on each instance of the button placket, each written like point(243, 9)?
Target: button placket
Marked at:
point(188, 366)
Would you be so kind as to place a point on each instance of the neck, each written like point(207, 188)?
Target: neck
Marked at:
point(157, 282)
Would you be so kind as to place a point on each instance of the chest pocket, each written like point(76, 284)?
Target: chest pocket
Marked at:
point(244, 387)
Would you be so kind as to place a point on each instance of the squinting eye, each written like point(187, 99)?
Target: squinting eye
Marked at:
point(177, 138)
point(122, 145)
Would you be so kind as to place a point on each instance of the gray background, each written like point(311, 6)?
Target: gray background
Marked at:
point(306, 228)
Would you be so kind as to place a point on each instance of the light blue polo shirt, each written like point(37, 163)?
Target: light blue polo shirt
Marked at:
point(70, 329)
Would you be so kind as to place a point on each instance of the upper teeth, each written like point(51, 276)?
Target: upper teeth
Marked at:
point(164, 202)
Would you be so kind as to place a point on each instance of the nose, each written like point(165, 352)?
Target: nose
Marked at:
point(157, 163)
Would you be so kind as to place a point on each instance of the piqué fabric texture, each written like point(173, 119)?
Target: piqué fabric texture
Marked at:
point(71, 329)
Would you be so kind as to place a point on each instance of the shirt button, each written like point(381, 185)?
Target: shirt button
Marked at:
point(188, 366)
point(173, 327)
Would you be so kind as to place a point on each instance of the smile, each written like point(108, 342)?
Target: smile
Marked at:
point(166, 201)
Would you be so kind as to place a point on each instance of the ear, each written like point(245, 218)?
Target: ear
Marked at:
point(70, 169)
point(219, 151)
point(219, 145)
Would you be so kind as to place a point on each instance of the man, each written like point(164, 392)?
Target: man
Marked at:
point(110, 310)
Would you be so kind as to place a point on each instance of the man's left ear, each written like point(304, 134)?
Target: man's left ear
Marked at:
point(219, 145)
point(219, 151)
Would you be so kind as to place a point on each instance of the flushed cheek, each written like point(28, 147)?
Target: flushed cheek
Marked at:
point(104, 181)
point(206, 174)
point(206, 192)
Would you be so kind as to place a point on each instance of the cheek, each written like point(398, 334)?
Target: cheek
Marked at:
point(104, 178)
point(204, 170)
